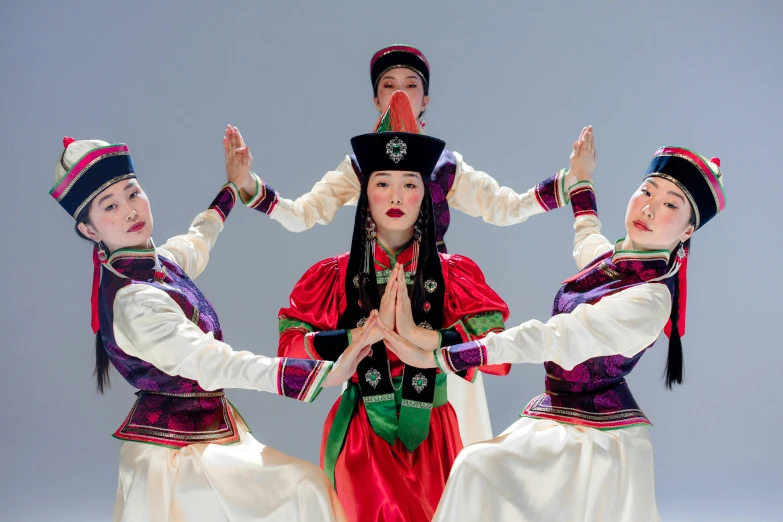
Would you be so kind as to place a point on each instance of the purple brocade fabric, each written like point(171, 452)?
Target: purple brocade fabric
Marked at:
point(171, 410)
point(140, 374)
point(224, 201)
point(177, 420)
point(441, 181)
point(549, 193)
point(298, 376)
point(583, 201)
point(465, 356)
point(595, 392)
point(267, 201)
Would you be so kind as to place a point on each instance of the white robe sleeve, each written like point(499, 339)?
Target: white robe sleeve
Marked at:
point(191, 251)
point(589, 243)
point(624, 324)
point(149, 325)
point(337, 188)
point(477, 193)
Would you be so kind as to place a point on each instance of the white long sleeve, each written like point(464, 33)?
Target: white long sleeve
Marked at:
point(624, 324)
point(337, 188)
point(191, 251)
point(150, 325)
point(477, 193)
point(589, 243)
point(474, 192)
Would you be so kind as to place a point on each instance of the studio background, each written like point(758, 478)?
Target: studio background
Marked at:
point(512, 84)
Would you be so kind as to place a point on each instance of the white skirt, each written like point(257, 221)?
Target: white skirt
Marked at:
point(245, 481)
point(540, 470)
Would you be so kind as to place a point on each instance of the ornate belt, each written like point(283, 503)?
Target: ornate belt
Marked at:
point(177, 420)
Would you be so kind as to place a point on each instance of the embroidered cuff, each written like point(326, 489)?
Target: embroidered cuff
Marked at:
point(329, 345)
point(582, 198)
point(461, 357)
point(265, 197)
point(224, 201)
point(550, 194)
point(479, 325)
point(301, 379)
point(454, 334)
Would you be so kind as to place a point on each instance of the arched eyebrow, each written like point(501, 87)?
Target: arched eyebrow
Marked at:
point(104, 198)
point(675, 194)
point(670, 192)
point(411, 77)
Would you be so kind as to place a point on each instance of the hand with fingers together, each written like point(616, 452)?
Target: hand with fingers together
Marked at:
point(405, 325)
point(373, 328)
point(238, 161)
point(583, 157)
point(389, 299)
point(346, 364)
point(406, 351)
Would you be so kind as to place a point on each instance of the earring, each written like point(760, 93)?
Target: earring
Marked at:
point(681, 252)
point(417, 227)
point(422, 123)
point(369, 252)
point(102, 257)
point(417, 233)
point(369, 227)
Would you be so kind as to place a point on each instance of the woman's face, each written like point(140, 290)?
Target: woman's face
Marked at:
point(658, 216)
point(401, 79)
point(395, 198)
point(120, 217)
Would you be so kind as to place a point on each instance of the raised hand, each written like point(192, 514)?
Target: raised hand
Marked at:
point(583, 157)
point(405, 351)
point(373, 327)
point(403, 313)
point(389, 299)
point(346, 364)
point(238, 160)
point(406, 326)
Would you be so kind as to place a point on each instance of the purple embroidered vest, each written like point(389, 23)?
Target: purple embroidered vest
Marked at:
point(595, 393)
point(441, 181)
point(170, 410)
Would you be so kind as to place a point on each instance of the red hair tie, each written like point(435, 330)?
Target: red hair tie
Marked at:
point(96, 281)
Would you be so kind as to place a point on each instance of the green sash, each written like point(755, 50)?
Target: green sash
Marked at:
point(413, 423)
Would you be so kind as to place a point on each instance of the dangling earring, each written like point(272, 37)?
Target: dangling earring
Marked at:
point(422, 123)
point(681, 252)
point(417, 241)
point(102, 257)
point(369, 252)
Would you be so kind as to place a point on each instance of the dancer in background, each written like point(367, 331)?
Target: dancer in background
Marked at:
point(454, 184)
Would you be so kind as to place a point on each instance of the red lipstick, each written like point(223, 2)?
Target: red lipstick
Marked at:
point(395, 213)
point(138, 226)
point(641, 225)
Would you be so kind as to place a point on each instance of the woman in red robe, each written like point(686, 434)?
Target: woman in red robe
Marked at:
point(391, 438)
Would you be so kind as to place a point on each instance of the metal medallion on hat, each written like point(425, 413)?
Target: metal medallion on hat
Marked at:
point(396, 149)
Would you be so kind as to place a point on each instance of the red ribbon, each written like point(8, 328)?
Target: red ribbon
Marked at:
point(682, 281)
point(96, 281)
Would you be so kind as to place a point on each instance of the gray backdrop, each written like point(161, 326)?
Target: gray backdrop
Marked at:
point(512, 85)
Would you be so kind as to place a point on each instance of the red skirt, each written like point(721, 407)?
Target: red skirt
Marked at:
point(377, 482)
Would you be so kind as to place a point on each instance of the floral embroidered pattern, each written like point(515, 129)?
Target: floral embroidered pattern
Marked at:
point(480, 325)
